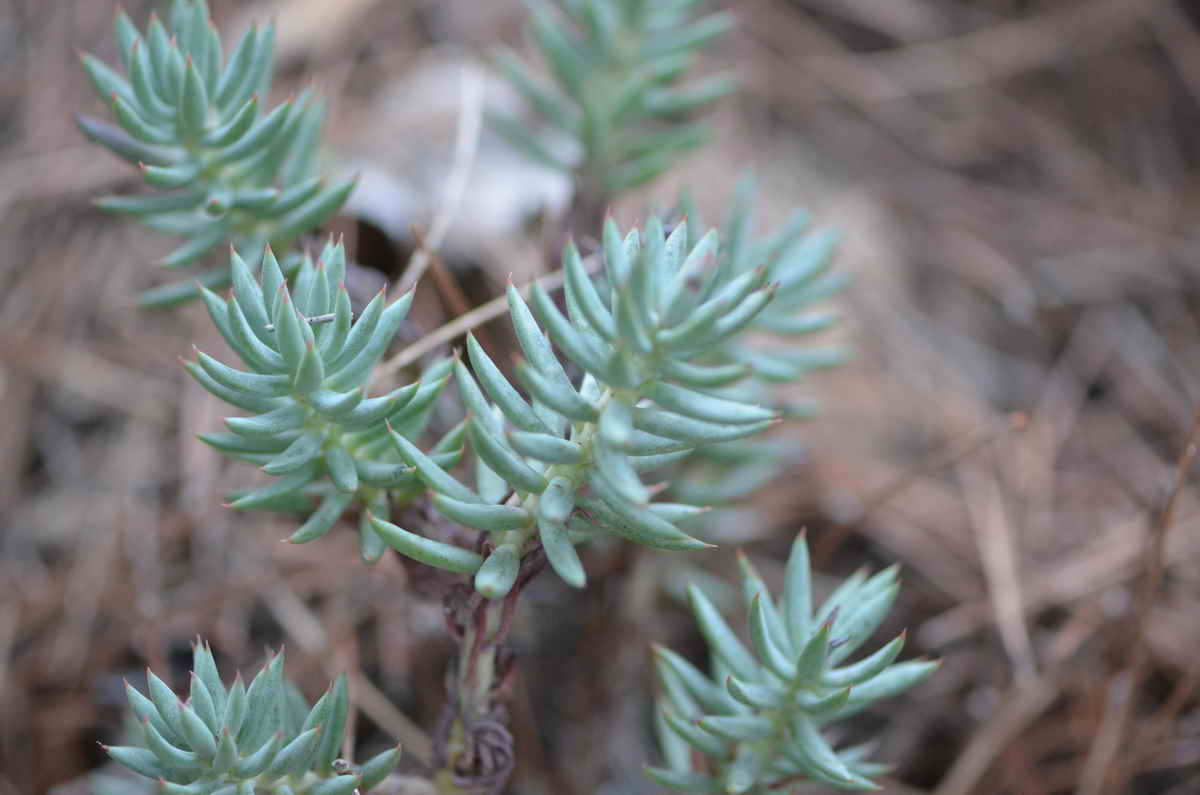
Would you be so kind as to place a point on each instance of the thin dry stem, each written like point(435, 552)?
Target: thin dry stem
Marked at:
point(1101, 774)
point(466, 144)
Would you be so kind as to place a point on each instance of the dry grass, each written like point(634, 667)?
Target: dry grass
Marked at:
point(1018, 184)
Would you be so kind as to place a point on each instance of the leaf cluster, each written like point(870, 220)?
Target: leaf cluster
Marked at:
point(312, 426)
point(565, 464)
point(799, 259)
point(195, 123)
point(241, 740)
point(758, 715)
point(616, 100)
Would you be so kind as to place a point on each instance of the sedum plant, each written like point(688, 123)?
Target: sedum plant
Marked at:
point(243, 740)
point(312, 425)
point(652, 362)
point(758, 718)
point(227, 169)
point(616, 100)
point(565, 466)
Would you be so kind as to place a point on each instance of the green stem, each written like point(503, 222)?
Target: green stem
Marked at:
point(584, 434)
point(476, 674)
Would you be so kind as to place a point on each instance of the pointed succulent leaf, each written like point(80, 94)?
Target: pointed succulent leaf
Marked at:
point(707, 693)
point(560, 551)
point(140, 760)
point(753, 695)
point(428, 551)
point(202, 702)
point(295, 757)
point(683, 781)
point(544, 447)
point(379, 767)
point(174, 761)
point(740, 728)
point(501, 459)
point(496, 577)
point(255, 763)
point(563, 400)
point(336, 785)
point(235, 707)
point(198, 735)
point(515, 408)
point(481, 516)
point(766, 647)
point(697, 735)
point(262, 704)
point(433, 476)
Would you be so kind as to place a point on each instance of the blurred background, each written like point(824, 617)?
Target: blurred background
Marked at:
point(1017, 183)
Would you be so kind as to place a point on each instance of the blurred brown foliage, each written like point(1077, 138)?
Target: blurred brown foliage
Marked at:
point(1018, 186)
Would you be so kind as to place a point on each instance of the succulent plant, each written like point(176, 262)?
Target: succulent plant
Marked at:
point(654, 368)
point(196, 126)
point(758, 716)
point(568, 467)
point(616, 101)
point(244, 740)
point(312, 426)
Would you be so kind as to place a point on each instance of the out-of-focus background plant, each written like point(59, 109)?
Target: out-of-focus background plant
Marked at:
point(1016, 186)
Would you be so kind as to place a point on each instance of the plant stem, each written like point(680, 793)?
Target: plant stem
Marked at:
point(477, 749)
point(477, 669)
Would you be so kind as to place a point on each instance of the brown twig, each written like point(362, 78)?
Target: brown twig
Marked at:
point(1102, 772)
point(1159, 724)
point(942, 459)
point(466, 143)
point(979, 57)
point(1021, 707)
point(464, 323)
point(1108, 560)
point(998, 553)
